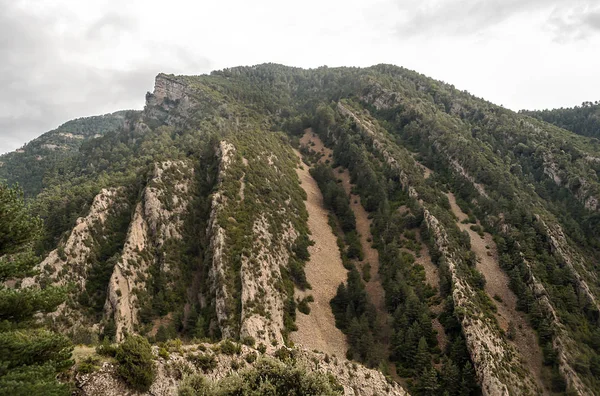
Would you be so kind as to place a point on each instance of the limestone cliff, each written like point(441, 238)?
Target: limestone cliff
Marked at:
point(157, 218)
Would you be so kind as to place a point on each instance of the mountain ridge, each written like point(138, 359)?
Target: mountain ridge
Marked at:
point(218, 246)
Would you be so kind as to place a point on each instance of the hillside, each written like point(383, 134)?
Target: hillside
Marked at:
point(437, 233)
point(28, 166)
point(583, 120)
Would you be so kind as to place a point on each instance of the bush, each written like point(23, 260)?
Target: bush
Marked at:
point(251, 357)
point(248, 340)
point(268, 376)
point(89, 365)
point(163, 353)
point(106, 349)
point(202, 361)
point(303, 304)
point(195, 385)
point(229, 348)
point(136, 367)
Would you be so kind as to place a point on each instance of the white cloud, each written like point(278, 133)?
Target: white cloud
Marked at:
point(68, 58)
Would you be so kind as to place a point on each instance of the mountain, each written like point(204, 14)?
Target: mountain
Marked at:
point(583, 120)
point(28, 165)
point(368, 212)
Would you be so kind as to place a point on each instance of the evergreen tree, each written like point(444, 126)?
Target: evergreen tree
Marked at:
point(468, 383)
point(423, 358)
point(428, 382)
point(30, 357)
point(451, 378)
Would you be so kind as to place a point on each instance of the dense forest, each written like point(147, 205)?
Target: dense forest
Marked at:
point(583, 120)
point(206, 174)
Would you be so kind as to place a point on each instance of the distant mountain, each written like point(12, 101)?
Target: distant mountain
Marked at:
point(583, 120)
point(368, 212)
point(29, 164)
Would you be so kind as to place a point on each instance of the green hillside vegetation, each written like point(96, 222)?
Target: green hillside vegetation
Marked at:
point(583, 120)
point(534, 186)
point(44, 157)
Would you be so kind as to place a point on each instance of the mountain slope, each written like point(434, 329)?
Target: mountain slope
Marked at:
point(192, 223)
point(29, 165)
point(583, 120)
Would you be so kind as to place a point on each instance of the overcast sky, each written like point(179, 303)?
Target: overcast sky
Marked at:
point(63, 59)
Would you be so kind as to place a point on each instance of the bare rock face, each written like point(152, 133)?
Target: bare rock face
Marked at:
point(157, 218)
point(262, 302)
point(169, 94)
point(121, 301)
point(69, 262)
point(355, 379)
point(218, 267)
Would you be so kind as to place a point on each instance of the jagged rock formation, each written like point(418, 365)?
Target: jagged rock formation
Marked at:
point(156, 219)
point(69, 262)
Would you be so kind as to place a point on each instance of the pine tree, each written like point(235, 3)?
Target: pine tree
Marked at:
point(468, 382)
point(427, 384)
point(30, 357)
point(423, 358)
point(451, 378)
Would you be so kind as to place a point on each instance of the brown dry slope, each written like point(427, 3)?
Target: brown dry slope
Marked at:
point(525, 340)
point(324, 272)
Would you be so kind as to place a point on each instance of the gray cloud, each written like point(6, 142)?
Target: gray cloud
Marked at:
point(44, 84)
point(111, 24)
point(567, 18)
point(576, 23)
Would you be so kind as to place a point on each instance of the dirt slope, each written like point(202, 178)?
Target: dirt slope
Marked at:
point(497, 283)
point(324, 272)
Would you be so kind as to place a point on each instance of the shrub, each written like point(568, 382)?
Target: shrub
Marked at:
point(136, 367)
point(89, 365)
point(268, 376)
point(163, 353)
point(251, 357)
point(303, 304)
point(195, 385)
point(106, 349)
point(203, 361)
point(229, 348)
point(248, 340)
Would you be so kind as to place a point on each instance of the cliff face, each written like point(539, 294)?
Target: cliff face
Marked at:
point(170, 102)
point(69, 262)
point(223, 299)
point(158, 218)
point(251, 235)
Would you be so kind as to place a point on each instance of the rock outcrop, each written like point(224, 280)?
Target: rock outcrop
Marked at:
point(69, 262)
point(355, 379)
point(156, 219)
point(497, 363)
